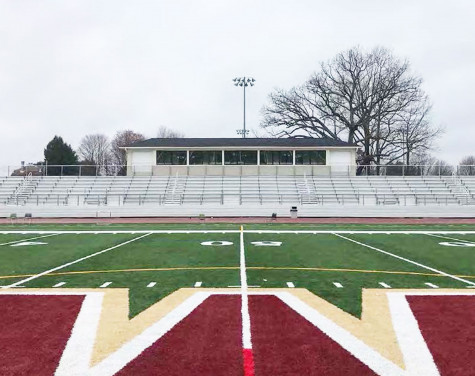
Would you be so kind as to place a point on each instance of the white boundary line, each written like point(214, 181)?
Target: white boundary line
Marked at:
point(407, 260)
point(26, 240)
point(246, 318)
point(72, 262)
point(448, 237)
point(138, 232)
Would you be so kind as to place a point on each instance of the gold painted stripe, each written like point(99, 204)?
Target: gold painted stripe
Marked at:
point(235, 268)
point(352, 271)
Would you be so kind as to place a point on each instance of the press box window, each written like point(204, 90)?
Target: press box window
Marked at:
point(240, 157)
point(206, 157)
point(280, 157)
point(310, 157)
point(171, 157)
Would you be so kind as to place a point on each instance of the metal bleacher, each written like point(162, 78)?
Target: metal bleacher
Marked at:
point(236, 191)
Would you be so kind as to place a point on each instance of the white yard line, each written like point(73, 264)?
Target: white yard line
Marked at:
point(74, 262)
point(450, 238)
point(385, 285)
point(26, 240)
point(116, 232)
point(369, 232)
point(338, 285)
point(290, 285)
point(59, 284)
point(431, 285)
point(151, 284)
point(198, 284)
point(105, 284)
point(246, 318)
point(407, 260)
point(138, 232)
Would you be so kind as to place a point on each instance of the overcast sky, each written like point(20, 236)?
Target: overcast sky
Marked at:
point(76, 67)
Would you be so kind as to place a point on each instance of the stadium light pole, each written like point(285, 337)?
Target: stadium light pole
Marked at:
point(244, 82)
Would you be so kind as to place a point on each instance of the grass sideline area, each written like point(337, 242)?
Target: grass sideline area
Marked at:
point(153, 265)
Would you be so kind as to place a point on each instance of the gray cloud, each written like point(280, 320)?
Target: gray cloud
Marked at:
point(78, 67)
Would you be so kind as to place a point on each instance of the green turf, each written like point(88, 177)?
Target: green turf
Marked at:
point(167, 251)
point(320, 250)
point(208, 264)
point(426, 250)
point(59, 249)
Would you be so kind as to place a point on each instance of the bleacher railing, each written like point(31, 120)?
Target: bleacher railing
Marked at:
point(144, 170)
point(113, 200)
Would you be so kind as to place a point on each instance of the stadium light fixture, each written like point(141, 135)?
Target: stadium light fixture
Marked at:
point(244, 82)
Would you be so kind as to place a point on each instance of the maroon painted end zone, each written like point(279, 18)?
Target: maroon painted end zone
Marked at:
point(447, 324)
point(207, 342)
point(284, 343)
point(34, 331)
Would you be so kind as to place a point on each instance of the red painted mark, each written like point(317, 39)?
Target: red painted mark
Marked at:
point(207, 342)
point(285, 343)
point(447, 324)
point(248, 362)
point(34, 331)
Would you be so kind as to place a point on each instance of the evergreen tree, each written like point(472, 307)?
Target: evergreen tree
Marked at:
point(57, 152)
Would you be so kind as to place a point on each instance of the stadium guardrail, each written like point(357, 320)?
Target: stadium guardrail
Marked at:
point(143, 170)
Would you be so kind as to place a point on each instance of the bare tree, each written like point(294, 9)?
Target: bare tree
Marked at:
point(95, 148)
point(413, 133)
point(165, 132)
point(467, 165)
point(121, 139)
point(357, 96)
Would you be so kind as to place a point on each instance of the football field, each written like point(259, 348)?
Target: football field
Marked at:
point(335, 263)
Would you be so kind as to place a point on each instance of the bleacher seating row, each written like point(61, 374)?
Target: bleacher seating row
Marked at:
point(237, 190)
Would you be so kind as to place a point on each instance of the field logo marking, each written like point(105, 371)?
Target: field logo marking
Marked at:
point(266, 243)
point(29, 239)
point(408, 260)
point(217, 243)
point(457, 244)
point(450, 238)
point(396, 325)
point(23, 244)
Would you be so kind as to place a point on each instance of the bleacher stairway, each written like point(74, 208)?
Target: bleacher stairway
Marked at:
point(337, 195)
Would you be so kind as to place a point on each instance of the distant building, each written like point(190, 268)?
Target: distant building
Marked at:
point(25, 170)
point(240, 156)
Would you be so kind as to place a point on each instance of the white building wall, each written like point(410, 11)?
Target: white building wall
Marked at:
point(342, 161)
point(339, 161)
point(140, 162)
